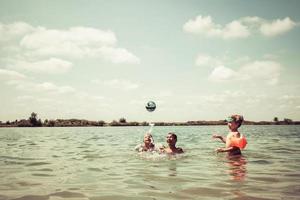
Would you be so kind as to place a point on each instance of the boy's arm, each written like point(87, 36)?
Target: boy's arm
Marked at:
point(224, 149)
point(138, 147)
point(223, 139)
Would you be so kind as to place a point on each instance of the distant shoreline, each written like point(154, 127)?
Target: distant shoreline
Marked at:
point(122, 122)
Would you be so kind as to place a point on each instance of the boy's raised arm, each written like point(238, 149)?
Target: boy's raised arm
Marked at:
point(220, 137)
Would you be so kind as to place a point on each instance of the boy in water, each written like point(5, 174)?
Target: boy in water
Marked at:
point(234, 140)
point(148, 144)
point(171, 149)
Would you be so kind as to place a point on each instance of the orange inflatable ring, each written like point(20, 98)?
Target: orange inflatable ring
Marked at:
point(238, 142)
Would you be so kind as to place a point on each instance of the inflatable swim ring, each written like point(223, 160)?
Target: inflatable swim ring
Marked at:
point(238, 142)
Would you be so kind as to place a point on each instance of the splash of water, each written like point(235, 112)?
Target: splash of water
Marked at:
point(156, 156)
point(151, 127)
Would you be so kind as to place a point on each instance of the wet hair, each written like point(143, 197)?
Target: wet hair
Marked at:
point(173, 135)
point(148, 134)
point(239, 119)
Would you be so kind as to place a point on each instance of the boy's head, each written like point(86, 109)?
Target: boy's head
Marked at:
point(235, 121)
point(148, 138)
point(171, 138)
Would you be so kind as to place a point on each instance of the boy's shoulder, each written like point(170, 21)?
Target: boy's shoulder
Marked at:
point(138, 147)
point(230, 134)
point(179, 150)
point(234, 134)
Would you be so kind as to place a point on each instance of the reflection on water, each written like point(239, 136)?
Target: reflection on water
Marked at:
point(237, 167)
point(93, 163)
point(172, 169)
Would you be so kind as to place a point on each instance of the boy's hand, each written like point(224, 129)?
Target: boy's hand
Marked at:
point(215, 136)
point(219, 150)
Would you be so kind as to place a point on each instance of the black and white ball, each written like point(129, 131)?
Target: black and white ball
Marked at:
point(150, 106)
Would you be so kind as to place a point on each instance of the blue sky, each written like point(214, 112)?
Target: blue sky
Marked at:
point(103, 60)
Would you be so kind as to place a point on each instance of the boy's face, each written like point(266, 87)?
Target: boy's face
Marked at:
point(171, 139)
point(232, 125)
point(147, 138)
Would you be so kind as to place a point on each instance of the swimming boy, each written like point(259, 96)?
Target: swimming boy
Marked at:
point(148, 144)
point(234, 141)
point(171, 139)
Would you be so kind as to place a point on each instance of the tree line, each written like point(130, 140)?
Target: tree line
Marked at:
point(34, 121)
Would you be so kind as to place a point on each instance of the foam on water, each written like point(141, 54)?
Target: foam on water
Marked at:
point(156, 156)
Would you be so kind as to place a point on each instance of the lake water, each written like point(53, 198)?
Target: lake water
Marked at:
point(100, 163)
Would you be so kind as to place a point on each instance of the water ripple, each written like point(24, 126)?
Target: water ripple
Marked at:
point(99, 163)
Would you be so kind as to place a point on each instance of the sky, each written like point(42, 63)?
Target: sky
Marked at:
point(104, 60)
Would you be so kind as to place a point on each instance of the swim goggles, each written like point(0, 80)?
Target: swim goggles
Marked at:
point(229, 119)
point(233, 119)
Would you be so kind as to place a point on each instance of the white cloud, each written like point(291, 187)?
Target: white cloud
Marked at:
point(290, 97)
point(267, 71)
point(217, 99)
point(51, 87)
point(251, 20)
point(235, 29)
point(10, 75)
point(204, 60)
point(241, 28)
point(24, 98)
point(52, 65)
point(75, 36)
point(210, 61)
point(277, 27)
point(117, 55)
point(117, 84)
point(14, 30)
point(75, 42)
point(222, 73)
point(207, 60)
point(206, 26)
point(41, 88)
point(201, 24)
point(227, 97)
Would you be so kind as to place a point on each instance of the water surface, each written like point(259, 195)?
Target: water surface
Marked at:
point(100, 163)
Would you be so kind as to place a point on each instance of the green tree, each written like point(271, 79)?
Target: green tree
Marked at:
point(145, 124)
point(51, 123)
point(114, 123)
point(101, 123)
point(288, 121)
point(122, 120)
point(39, 122)
point(275, 119)
point(34, 121)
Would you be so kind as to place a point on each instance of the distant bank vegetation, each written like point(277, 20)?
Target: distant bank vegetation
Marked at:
point(33, 121)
